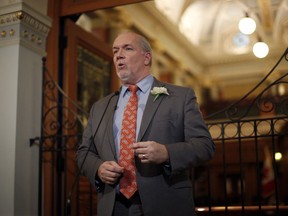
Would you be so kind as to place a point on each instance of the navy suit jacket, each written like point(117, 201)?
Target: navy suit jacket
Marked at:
point(174, 120)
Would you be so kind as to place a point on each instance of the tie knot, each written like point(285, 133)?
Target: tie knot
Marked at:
point(133, 88)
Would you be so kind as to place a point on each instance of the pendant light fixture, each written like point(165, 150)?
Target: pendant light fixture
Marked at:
point(260, 49)
point(247, 25)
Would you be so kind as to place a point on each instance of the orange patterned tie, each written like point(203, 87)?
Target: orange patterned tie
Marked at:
point(128, 185)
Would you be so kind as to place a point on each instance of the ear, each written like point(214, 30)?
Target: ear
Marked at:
point(147, 58)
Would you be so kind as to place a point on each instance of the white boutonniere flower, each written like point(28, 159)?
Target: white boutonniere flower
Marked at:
point(157, 91)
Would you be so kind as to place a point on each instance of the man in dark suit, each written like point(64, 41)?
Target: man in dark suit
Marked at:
point(171, 138)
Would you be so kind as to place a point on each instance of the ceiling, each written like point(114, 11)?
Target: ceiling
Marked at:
point(213, 25)
point(210, 50)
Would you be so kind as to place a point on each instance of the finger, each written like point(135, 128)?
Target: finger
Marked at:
point(140, 152)
point(109, 180)
point(110, 169)
point(112, 166)
point(140, 145)
point(140, 155)
point(115, 167)
point(135, 146)
point(110, 177)
point(144, 160)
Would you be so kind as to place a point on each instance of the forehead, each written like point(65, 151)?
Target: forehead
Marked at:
point(125, 39)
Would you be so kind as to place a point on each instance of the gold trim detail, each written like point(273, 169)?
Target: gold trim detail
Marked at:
point(3, 34)
point(11, 32)
point(18, 16)
point(19, 26)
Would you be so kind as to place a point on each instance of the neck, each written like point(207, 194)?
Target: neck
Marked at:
point(134, 82)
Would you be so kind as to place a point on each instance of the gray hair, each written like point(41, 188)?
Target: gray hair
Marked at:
point(145, 45)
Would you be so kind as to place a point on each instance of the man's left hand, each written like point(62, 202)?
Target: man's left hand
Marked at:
point(151, 152)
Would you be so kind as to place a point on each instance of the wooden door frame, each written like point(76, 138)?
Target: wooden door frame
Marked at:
point(70, 7)
point(77, 36)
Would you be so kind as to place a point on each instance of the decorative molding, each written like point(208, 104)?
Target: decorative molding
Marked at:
point(20, 27)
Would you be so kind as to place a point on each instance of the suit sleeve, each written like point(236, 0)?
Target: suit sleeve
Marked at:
point(87, 157)
point(198, 146)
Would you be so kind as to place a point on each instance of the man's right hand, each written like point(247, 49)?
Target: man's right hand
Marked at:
point(109, 172)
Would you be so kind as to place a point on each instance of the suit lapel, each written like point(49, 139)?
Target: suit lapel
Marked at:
point(150, 110)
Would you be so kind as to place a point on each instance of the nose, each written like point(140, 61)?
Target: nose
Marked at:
point(119, 54)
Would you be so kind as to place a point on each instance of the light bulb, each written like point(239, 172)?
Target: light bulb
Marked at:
point(260, 49)
point(278, 156)
point(247, 25)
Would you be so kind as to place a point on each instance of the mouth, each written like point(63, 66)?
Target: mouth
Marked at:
point(120, 65)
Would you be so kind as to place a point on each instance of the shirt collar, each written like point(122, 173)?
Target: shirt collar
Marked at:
point(144, 85)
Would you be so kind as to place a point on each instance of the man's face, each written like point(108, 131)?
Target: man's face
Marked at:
point(130, 60)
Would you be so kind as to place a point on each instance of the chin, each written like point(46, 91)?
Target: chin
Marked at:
point(123, 75)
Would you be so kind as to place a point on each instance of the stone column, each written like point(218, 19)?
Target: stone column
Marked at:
point(23, 31)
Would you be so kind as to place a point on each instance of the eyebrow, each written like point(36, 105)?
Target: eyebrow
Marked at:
point(125, 45)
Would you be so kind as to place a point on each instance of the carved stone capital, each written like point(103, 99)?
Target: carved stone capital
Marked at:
point(20, 27)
